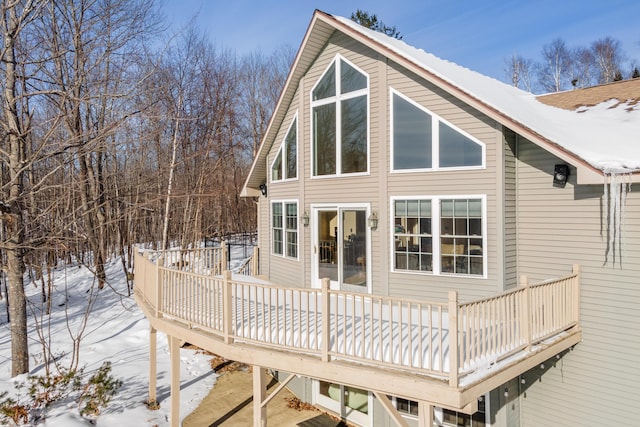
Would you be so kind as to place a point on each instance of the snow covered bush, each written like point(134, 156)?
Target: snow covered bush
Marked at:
point(90, 395)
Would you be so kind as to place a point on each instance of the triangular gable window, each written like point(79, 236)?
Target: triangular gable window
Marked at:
point(422, 140)
point(326, 87)
point(351, 79)
point(276, 168)
point(457, 149)
point(285, 165)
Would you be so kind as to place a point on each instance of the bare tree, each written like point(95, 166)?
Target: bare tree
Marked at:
point(16, 16)
point(262, 78)
point(553, 71)
point(518, 70)
point(608, 58)
point(66, 78)
point(583, 68)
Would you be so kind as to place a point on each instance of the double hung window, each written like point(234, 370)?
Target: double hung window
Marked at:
point(284, 229)
point(339, 103)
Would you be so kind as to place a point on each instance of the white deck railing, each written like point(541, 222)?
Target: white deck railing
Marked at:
point(392, 332)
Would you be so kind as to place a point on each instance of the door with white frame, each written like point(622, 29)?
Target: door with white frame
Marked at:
point(341, 246)
point(341, 251)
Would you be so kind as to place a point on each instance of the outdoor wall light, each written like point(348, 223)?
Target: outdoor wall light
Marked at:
point(305, 218)
point(560, 175)
point(263, 189)
point(373, 220)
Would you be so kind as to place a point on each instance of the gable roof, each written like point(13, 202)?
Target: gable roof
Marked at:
point(597, 141)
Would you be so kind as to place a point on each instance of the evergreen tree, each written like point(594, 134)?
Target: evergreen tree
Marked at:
point(372, 22)
point(636, 73)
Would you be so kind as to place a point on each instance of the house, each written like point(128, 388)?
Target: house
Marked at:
point(393, 172)
point(435, 247)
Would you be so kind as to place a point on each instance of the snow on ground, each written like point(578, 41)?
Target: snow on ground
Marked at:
point(116, 331)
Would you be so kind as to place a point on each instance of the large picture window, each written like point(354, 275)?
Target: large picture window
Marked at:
point(284, 229)
point(422, 140)
point(439, 235)
point(285, 165)
point(339, 103)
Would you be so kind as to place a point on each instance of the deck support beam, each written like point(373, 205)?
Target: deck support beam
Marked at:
point(425, 414)
point(259, 394)
point(153, 367)
point(174, 354)
point(391, 410)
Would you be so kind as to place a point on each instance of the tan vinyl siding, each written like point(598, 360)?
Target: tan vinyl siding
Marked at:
point(378, 186)
point(341, 189)
point(596, 383)
point(447, 183)
point(280, 269)
point(264, 239)
point(510, 211)
point(344, 189)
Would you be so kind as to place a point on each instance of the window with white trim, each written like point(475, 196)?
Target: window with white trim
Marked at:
point(284, 229)
point(461, 236)
point(339, 105)
point(413, 236)
point(458, 419)
point(444, 417)
point(422, 140)
point(285, 164)
point(443, 235)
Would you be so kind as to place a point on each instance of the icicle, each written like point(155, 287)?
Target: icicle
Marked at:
point(615, 199)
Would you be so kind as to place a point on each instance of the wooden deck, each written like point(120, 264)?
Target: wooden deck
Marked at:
point(444, 353)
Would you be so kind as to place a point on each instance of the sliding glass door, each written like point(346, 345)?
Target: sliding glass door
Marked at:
point(341, 247)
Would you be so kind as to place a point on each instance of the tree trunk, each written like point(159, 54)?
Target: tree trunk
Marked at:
point(12, 207)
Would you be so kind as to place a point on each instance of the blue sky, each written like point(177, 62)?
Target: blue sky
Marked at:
point(477, 34)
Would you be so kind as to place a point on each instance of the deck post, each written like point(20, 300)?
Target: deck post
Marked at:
point(224, 264)
point(157, 283)
point(153, 362)
point(255, 261)
point(259, 394)
point(576, 296)
point(453, 338)
point(325, 319)
point(174, 354)
point(525, 319)
point(425, 414)
point(226, 306)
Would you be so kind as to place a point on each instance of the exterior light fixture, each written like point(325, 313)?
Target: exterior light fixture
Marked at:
point(560, 175)
point(305, 218)
point(373, 220)
point(263, 189)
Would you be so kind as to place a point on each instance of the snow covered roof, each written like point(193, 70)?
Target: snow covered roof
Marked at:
point(625, 91)
point(606, 136)
point(597, 140)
